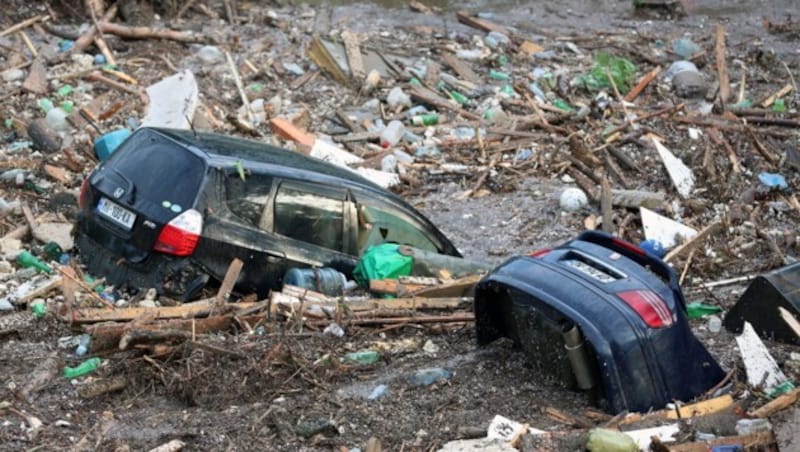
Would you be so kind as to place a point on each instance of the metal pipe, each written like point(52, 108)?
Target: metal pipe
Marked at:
point(578, 357)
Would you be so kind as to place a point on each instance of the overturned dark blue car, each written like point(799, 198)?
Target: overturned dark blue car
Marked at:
point(603, 316)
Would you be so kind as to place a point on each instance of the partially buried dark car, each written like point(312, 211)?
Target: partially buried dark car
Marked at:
point(171, 209)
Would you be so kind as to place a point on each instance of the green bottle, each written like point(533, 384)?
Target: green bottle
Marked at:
point(39, 308)
point(28, 260)
point(82, 369)
point(562, 105)
point(497, 75)
point(425, 120)
point(458, 97)
point(779, 106)
point(696, 310)
point(362, 357)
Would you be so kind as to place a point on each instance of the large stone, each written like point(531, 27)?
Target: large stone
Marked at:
point(60, 233)
point(44, 137)
point(37, 79)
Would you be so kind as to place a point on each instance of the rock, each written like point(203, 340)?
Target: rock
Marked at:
point(689, 84)
point(44, 137)
point(573, 199)
point(310, 427)
point(12, 75)
point(37, 79)
point(787, 431)
point(10, 246)
point(60, 233)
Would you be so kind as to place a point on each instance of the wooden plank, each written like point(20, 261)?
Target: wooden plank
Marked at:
point(722, 65)
point(231, 276)
point(460, 68)
point(749, 442)
point(353, 52)
point(457, 288)
point(481, 24)
point(779, 403)
point(322, 58)
point(790, 320)
point(392, 286)
point(703, 408)
point(92, 315)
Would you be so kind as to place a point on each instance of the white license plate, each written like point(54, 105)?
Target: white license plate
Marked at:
point(116, 213)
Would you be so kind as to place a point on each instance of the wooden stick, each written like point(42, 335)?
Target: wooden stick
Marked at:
point(643, 82)
point(456, 317)
point(100, 41)
point(780, 403)
point(88, 37)
point(71, 275)
point(228, 282)
point(188, 4)
point(98, 77)
point(780, 93)
point(239, 86)
point(22, 25)
point(28, 43)
point(124, 31)
point(722, 66)
point(790, 320)
point(693, 242)
point(717, 138)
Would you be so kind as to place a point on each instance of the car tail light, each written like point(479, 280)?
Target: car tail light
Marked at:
point(650, 307)
point(82, 201)
point(540, 253)
point(629, 246)
point(179, 237)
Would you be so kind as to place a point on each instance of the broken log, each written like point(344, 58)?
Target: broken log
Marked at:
point(194, 309)
point(125, 31)
point(722, 65)
point(231, 276)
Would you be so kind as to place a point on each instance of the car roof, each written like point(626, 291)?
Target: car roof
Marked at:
point(231, 148)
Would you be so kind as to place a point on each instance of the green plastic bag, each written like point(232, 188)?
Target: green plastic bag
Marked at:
point(382, 262)
point(622, 72)
point(697, 310)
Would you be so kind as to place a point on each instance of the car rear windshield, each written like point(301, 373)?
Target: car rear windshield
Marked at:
point(160, 170)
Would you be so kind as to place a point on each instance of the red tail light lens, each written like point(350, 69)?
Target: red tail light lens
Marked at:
point(650, 307)
point(82, 201)
point(540, 253)
point(180, 236)
point(628, 246)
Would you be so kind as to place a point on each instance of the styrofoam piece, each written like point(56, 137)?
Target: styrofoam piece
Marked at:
point(681, 175)
point(504, 428)
point(663, 229)
point(330, 152)
point(643, 437)
point(173, 101)
point(762, 370)
point(379, 177)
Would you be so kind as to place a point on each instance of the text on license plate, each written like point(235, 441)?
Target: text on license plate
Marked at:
point(116, 213)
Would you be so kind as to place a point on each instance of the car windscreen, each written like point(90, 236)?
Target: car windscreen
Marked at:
point(160, 170)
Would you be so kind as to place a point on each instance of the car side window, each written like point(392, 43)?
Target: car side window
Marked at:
point(247, 197)
point(378, 225)
point(310, 217)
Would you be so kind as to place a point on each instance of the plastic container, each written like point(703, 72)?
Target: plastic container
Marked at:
point(57, 119)
point(750, 426)
point(108, 143)
point(606, 440)
point(391, 135)
point(324, 280)
point(397, 97)
point(39, 308)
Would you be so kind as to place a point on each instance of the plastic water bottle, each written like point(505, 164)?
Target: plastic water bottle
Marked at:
point(84, 342)
point(714, 324)
point(391, 135)
point(57, 118)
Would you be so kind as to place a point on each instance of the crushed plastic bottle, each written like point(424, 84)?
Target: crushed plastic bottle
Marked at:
point(362, 357)
point(750, 426)
point(57, 119)
point(685, 47)
point(391, 135)
point(495, 39)
point(378, 392)
point(38, 308)
point(210, 55)
point(84, 342)
point(429, 119)
point(397, 97)
point(427, 377)
point(714, 324)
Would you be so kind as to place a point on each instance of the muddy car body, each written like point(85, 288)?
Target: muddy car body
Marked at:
point(601, 315)
point(170, 209)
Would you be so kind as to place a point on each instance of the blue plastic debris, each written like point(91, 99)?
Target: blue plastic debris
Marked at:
point(653, 247)
point(65, 45)
point(427, 377)
point(773, 180)
point(108, 143)
point(99, 59)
